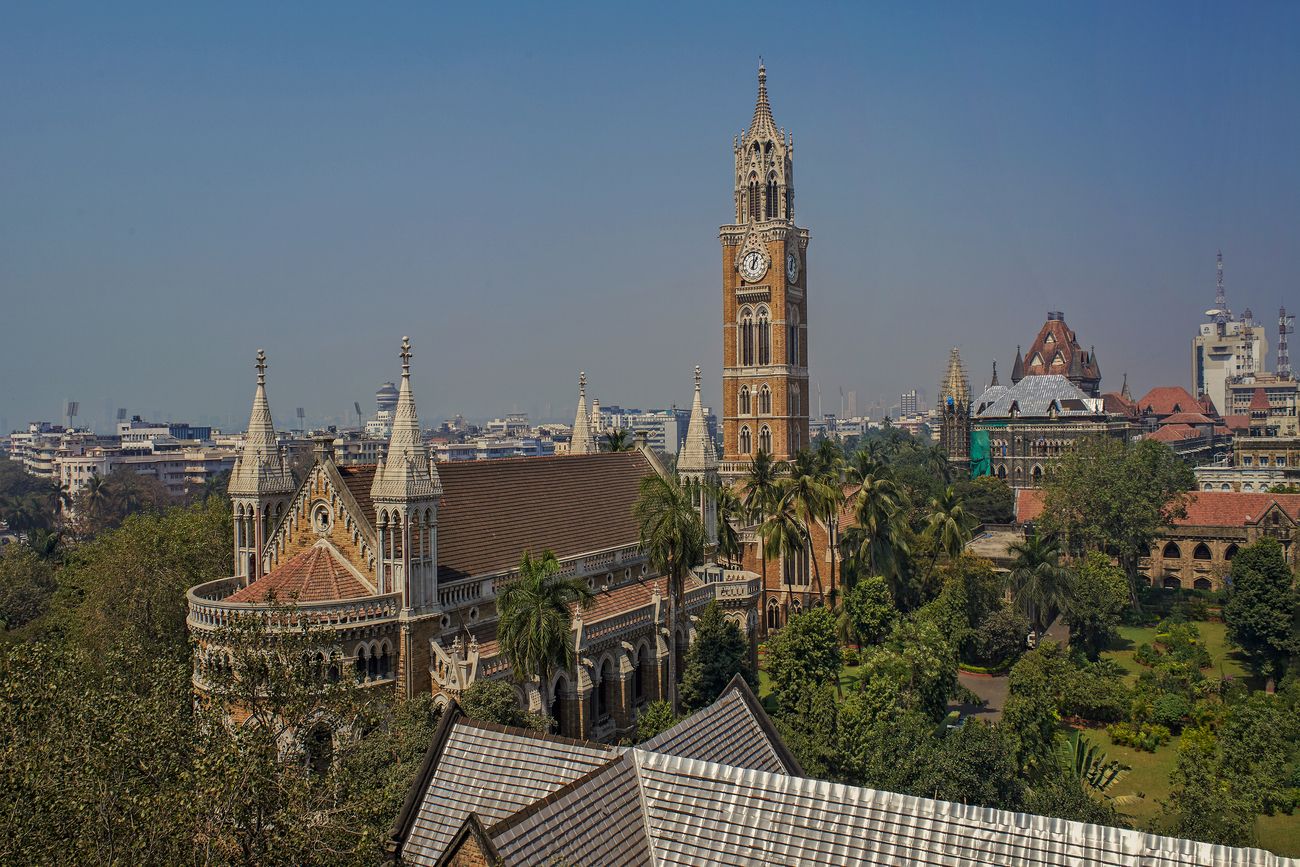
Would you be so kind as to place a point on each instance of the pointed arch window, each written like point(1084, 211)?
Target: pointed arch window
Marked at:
point(742, 402)
point(792, 335)
point(746, 441)
point(765, 400)
point(793, 400)
point(745, 349)
point(755, 199)
point(765, 439)
point(764, 336)
point(772, 202)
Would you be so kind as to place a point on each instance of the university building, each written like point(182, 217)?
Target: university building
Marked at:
point(401, 562)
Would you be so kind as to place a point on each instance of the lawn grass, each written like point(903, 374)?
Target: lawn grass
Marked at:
point(1226, 661)
point(1148, 779)
point(1280, 834)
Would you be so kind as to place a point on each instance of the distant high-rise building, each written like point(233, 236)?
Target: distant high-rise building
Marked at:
point(1225, 349)
point(908, 403)
point(851, 404)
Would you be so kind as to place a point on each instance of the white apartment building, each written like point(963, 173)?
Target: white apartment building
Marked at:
point(1222, 352)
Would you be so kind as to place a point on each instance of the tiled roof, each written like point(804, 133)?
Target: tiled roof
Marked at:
point(1203, 508)
point(1115, 403)
point(1237, 422)
point(491, 512)
point(1259, 399)
point(1034, 396)
point(622, 599)
point(317, 574)
point(1056, 338)
point(1167, 400)
point(1187, 418)
point(1172, 433)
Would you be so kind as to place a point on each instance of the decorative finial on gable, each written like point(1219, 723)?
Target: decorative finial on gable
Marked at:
point(261, 367)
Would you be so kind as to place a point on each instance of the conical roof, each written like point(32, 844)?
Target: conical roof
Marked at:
point(994, 380)
point(260, 469)
point(581, 443)
point(1017, 368)
point(763, 126)
point(697, 453)
point(955, 387)
point(407, 471)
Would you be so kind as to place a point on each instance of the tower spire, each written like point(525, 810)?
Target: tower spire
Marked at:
point(581, 443)
point(259, 467)
point(697, 453)
point(994, 380)
point(406, 472)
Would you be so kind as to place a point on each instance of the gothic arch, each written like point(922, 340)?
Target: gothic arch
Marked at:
point(745, 349)
point(1171, 551)
point(764, 400)
point(742, 401)
point(764, 320)
point(745, 443)
point(1201, 552)
point(765, 439)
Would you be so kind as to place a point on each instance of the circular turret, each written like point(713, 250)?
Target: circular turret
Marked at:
point(386, 398)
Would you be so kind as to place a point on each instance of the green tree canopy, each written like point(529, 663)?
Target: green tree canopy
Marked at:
point(988, 499)
point(1097, 598)
point(804, 655)
point(495, 701)
point(720, 652)
point(1262, 607)
point(868, 612)
point(534, 618)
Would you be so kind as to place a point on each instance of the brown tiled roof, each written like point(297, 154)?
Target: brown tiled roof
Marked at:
point(1187, 418)
point(1204, 508)
point(494, 511)
point(620, 600)
point(1259, 400)
point(1167, 400)
point(318, 574)
point(1063, 341)
point(1172, 433)
point(1115, 403)
point(1237, 422)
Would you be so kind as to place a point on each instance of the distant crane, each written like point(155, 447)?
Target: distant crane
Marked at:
point(1285, 326)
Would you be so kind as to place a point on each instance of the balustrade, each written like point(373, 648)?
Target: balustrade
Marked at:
point(208, 611)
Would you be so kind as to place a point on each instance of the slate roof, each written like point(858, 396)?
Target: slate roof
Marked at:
point(317, 574)
point(491, 512)
point(1034, 396)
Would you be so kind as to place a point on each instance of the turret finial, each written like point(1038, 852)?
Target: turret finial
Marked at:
point(406, 356)
point(582, 383)
point(261, 367)
point(697, 377)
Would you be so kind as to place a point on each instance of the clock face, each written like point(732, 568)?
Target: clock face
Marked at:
point(753, 266)
point(791, 267)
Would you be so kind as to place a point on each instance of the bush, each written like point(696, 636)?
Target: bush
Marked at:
point(1196, 608)
point(1143, 736)
point(1182, 641)
point(1000, 637)
point(851, 657)
point(1093, 695)
point(1146, 654)
point(1171, 711)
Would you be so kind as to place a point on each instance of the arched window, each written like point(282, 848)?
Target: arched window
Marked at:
point(1202, 552)
point(793, 355)
point(793, 401)
point(607, 692)
point(1202, 584)
point(755, 202)
point(765, 439)
point(771, 202)
point(742, 403)
point(773, 614)
point(764, 336)
point(1171, 551)
point(746, 337)
point(363, 664)
point(746, 444)
point(1002, 472)
point(644, 671)
point(1230, 552)
point(1172, 582)
point(1038, 474)
point(559, 699)
point(764, 400)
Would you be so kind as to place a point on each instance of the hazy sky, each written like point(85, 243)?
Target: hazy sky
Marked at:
point(531, 189)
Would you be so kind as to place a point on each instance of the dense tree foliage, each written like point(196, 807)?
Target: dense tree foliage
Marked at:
point(867, 612)
point(988, 499)
point(534, 618)
point(658, 716)
point(495, 701)
point(1094, 603)
point(1263, 607)
point(804, 655)
point(719, 652)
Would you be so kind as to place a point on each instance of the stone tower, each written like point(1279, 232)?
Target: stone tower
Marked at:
point(261, 484)
point(581, 443)
point(405, 492)
point(764, 301)
point(697, 465)
point(954, 409)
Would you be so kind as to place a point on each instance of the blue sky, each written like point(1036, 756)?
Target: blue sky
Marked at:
point(533, 189)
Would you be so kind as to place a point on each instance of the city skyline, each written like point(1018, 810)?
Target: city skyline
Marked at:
point(965, 174)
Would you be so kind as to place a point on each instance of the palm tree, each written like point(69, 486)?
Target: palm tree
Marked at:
point(1038, 581)
point(534, 617)
point(813, 500)
point(935, 459)
point(950, 523)
point(784, 533)
point(729, 513)
point(830, 460)
point(672, 535)
point(617, 441)
point(761, 483)
point(1096, 772)
point(879, 502)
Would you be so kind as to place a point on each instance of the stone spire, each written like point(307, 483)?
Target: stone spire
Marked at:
point(260, 468)
point(1018, 368)
point(407, 471)
point(1124, 392)
point(763, 123)
point(994, 380)
point(697, 453)
point(1092, 362)
point(580, 443)
point(955, 387)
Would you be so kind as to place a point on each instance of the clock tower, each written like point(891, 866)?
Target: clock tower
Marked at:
point(764, 301)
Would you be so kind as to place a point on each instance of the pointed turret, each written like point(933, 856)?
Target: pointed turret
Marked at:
point(1094, 368)
point(697, 453)
point(260, 484)
point(581, 443)
point(1076, 367)
point(697, 465)
point(955, 387)
point(763, 123)
point(954, 409)
point(406, 472)
point(994, 380)
point(1017, 368)
point(1124, 392)
point(260, 468)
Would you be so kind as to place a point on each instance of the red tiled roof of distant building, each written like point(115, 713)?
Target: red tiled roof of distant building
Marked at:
point(1115, 403)
point(318, 574)
point(1207, 405)
point(1192, 418)
point(1234, 508)
point(1237, 422)
point(1259, 400)
point(1167, 400)
point(1029, 504)
point(1172, 433)
point(623, 599)
point(1054, 351)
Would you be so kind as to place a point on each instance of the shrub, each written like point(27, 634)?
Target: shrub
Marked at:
point(1171, 711)
point(1182, 641)
point(1146, 654)
point(851, 657)
point(1000, 638)
point(1143, 736)
point(1093, 695)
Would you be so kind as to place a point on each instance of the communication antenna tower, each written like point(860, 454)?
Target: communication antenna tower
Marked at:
point(1285, 326)
point(1222, 313)
point(356, 404)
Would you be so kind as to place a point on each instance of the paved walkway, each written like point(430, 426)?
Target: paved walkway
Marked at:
point(993, 690)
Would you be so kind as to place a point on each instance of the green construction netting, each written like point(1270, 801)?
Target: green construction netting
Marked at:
point(979, 454)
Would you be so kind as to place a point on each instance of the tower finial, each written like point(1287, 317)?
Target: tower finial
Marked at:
point(406, 356)
point(261, 367)
point(582, 383)
point(697, 377)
